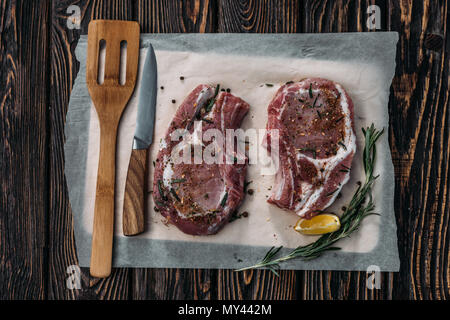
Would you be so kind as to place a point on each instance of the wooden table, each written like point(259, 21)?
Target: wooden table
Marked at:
point(38, 68)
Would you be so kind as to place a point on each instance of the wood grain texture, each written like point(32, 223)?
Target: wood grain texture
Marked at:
point(36, 228)
point(340, 15)
point(257, 284)
point(64, 68)
point(135, 193)
point(419, 137)
point(173, 284)
point(259, 16)
point(168, 16)
point(23, 148)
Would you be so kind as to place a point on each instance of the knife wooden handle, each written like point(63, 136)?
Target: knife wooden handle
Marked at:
point(133, 203)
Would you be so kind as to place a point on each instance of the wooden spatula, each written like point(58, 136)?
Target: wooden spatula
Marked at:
point(110, 99)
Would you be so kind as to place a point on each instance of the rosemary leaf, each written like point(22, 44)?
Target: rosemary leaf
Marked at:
point(343, 145)
point(210, 105)
point(207, 120)
point(224, 200)
point(212, 100)
point(332, 192)
point(159, 203)
point(339, 119)
point(319, 114)
point(172, 191)
point(161, 192)
point(217, 90)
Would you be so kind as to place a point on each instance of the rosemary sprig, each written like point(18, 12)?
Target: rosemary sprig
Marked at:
point(332, 192)
point(351, 219)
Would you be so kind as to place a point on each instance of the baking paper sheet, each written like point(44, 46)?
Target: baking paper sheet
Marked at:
point(363, 63)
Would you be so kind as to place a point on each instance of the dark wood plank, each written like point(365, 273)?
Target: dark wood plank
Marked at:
point(23, 148)
point(258, 16)
point(174, 16)
point(169, 16)
point(64, 68)
point(322, 285)
point(340, 16)
point(257, 284)
point(419, 137)
point(172, 284)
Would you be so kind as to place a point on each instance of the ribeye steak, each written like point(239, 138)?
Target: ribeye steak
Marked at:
point(316, 144)
point(199, 197)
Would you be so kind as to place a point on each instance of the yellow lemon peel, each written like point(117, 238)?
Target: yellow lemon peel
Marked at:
point(320, 224)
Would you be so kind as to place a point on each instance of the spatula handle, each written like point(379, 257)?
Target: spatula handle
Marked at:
point(102, 236)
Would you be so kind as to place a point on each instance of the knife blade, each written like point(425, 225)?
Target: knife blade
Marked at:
point(133, 204)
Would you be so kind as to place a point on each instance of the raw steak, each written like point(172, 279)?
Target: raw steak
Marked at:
point(200, 197)
point(316, 146)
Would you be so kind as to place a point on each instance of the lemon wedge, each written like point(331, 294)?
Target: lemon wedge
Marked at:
point(320, 224)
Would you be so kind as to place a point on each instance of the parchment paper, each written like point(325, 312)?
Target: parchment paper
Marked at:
point(363, 63)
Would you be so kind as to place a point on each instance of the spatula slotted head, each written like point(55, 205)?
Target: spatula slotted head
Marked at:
point(111, 95)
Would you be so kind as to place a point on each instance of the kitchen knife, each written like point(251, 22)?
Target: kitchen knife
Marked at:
point(135, 188)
